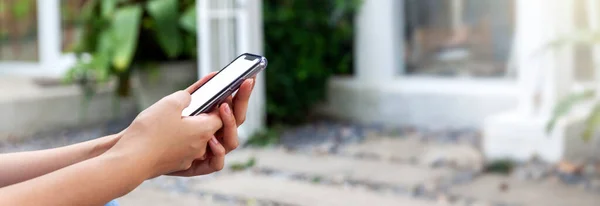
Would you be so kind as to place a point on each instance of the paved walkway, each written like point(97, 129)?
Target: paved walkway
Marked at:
point(380, 171)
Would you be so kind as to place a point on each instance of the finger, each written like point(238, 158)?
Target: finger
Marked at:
point(217, 162)
point(202, 156)
point(200, 82)
point(229, 101)
point(203, 124)
point(230, 136)
point(240, 101)
point(180, 99)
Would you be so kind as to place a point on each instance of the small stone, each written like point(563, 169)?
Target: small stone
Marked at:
point(504, 187)
point(569, 168)
point(594, 185)
point(463, 177)
point(479, 204)
point(570, 179)
point(442, 199)
point(459, 156)
point(589, 170)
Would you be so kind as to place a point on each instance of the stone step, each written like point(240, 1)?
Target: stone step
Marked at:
point(414, 150)
point(248, 185)
point(340, 168)
point(150, 195)
point(504, 189)
point(387, 148)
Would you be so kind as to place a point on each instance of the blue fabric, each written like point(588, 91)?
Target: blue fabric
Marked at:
point(112, 203)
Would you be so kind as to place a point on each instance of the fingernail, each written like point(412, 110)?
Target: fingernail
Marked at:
point(214, 141)
point(252, 82)
point(227, 109)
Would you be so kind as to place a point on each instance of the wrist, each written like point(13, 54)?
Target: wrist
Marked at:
point(129, 167)
point(101, 145)
point(132, 162)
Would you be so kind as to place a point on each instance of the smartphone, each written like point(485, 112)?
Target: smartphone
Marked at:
point(224, 83)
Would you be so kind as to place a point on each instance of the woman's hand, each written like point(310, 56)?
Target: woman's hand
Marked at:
point(165, 142)
point(233, 114)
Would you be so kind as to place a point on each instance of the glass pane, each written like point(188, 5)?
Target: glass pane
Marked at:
point(458, 37)
point(223, 42)
point(18, 30)
point(70, 12)
point(583, 62)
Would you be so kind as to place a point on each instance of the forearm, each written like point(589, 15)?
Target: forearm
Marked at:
point(92, 182)
point(22, 166)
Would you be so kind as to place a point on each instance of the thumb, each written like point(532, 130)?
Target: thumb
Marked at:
point(180, 99)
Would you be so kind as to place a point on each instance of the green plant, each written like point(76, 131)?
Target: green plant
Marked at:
point(266, 137)
point(119, 35)
point(503, 166)
point(238, 166)
point(306, 41)
point(592, 122)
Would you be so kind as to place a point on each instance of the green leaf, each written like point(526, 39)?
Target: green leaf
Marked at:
point(188, 20)
point(21, 9)
point(565, 106)
point(591, 123)
point(165, 15)
point(581, 37)
point(108, 8)
point(125, 28)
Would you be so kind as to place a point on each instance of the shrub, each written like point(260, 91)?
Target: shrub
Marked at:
point(306, 41)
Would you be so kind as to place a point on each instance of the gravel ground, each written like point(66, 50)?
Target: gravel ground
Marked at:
point(65, 136)
point(335, 134)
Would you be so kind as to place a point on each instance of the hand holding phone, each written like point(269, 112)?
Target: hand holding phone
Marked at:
point(224, 83)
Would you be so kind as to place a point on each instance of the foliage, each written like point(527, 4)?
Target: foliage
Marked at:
point(119, 35)
point(582, 37)
point(238, 166)
point(565, 106)
point(265, 137)
point(503, 166)
point(307, 41)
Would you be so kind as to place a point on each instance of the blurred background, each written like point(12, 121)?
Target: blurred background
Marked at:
point(364, 102)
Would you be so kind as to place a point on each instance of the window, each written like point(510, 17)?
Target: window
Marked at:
point(458, 37)
point(18, 30)
point(71, 19)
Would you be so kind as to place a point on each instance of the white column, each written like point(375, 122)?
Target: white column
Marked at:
point(560, 61)
point(49, 38)
point(252, 22)
point(378, 40)
point(544, 77)
point(530, 35)
point(593, 9)
point(203, 35)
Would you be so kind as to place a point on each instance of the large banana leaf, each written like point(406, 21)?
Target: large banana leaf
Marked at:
point(108, 8)
point(565, 106)
point(101, 59)
point(188, 20)
point(125, 28)
point(165, 15)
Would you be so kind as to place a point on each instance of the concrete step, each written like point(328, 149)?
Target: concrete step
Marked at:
point(28, 107)
point(292, 192)
point(337, 167)
point(504, 189)
point(415, 151)
point(403, 149)
point(150, 195)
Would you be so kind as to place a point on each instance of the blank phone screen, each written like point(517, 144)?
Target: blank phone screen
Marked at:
point(219, 82)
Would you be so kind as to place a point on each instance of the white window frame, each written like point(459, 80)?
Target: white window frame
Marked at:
point(52, 61)
point(248, 38)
